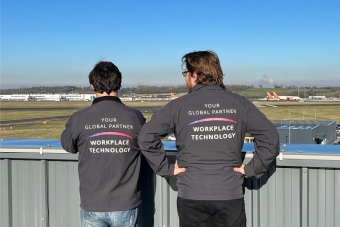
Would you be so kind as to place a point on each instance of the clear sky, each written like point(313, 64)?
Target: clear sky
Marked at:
point(51, 43)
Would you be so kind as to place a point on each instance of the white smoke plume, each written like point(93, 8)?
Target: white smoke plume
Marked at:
point(267, 82)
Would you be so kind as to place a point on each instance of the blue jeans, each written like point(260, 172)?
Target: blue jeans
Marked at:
point(114, 219)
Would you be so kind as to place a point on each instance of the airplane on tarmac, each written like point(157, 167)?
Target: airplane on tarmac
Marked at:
point(270, 97)
point(286, 98)
point(172, 96)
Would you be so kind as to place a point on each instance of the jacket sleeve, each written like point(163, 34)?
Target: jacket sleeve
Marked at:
point(266, 142)
point(150, 144)
point(69, 137)
point(140, 116)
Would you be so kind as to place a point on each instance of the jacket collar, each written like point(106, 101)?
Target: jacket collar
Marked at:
point(108, 98)
point(205, 86)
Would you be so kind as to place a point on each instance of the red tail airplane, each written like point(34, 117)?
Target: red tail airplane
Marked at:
point(270, 97)
point(286, 98)
point(172, 96)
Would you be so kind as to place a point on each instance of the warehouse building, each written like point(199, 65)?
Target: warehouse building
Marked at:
point(306, 132)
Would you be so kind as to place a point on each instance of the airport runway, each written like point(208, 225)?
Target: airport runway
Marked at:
point(41, 108)
point(273, 104)
point(13, 122)
point(144, 109)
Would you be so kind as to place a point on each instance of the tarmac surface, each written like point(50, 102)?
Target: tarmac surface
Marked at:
point(14, 122)
point(273, 104)
point(143, 109)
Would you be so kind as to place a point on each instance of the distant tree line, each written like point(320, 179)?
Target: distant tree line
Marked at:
point(47, 90)
point(140, 89)
point(166, 90)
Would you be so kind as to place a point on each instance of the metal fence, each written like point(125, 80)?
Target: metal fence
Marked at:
point(40, 188)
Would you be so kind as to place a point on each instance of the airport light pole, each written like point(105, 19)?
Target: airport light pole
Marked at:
point(315, 114)
point(304, 115)
point(289, 132)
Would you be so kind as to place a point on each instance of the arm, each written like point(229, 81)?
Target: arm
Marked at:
point(69, 138)
point(150, 143)
point(139, 116)
point(266, 142)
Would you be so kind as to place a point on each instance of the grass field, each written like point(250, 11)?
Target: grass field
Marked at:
point(75, 104)
point(53, 125)
point(301, 110)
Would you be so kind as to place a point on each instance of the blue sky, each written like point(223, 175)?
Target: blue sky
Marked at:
point(51, 43)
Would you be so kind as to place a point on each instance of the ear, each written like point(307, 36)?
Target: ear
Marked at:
point(92, 87)
point(194, 76)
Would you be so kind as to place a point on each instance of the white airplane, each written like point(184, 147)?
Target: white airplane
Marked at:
point(172, 96)
point(286, 98)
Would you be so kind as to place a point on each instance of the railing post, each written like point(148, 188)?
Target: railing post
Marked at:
point(44, 196)
point(6, 217)
point(304, 198)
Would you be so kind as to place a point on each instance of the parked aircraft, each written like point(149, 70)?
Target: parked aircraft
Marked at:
point(172, 96)
point(286, 98)
point(270, 97)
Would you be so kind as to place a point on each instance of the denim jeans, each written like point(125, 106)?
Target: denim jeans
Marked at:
point(113, 219)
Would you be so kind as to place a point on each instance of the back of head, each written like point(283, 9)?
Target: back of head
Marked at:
point(207, 66)
point(105, 77)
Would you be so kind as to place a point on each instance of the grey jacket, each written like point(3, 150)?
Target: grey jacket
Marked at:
point(210, 125)
point(105, 135)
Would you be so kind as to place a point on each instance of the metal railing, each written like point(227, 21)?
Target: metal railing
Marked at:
point(39, 187)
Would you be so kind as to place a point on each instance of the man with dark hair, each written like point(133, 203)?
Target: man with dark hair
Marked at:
point(105, 135)
point(210, 124)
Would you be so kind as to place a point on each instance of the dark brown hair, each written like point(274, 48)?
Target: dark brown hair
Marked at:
point(207, 66)
point(105, 77)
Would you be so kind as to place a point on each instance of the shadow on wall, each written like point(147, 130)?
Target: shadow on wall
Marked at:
point(147, 186)
point(257, 184)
